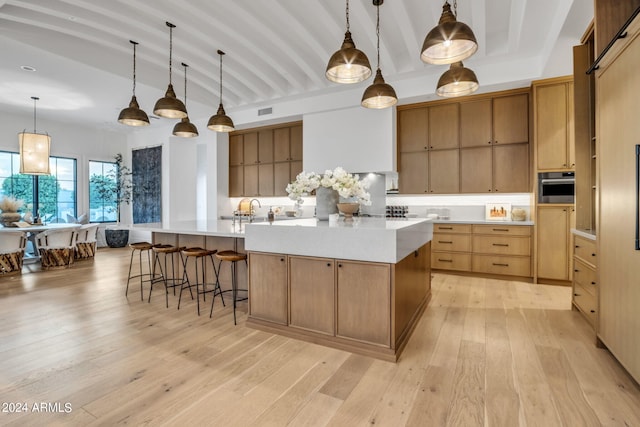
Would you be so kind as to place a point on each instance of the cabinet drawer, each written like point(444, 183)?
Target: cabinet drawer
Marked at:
point(452, 228)
point(451, 261)
point(510, 230)
point(502, 245)
point(585, 249)
point(585, 275)
point(451, 242)
point(494, 264)
point(585, 302)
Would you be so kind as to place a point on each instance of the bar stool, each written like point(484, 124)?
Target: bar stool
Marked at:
point(233, 257)
point(199, 254)
point(168, 251)
point(150, 276)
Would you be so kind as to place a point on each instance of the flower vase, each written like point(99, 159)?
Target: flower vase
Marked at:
point(326, 203)
point(8, 218)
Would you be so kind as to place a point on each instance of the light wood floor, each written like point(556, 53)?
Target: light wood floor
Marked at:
point(485, 353)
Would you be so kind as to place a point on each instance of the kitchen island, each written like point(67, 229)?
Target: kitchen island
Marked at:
point(357, 285)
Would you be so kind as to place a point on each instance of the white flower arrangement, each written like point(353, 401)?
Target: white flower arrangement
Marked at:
point(346, 184)
point(10, 204)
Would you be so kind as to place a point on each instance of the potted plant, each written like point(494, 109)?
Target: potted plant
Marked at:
point(9, 206)
point(116, 188)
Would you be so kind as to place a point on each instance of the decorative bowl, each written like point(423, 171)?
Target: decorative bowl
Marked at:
point(290, 214)
point(348, 209)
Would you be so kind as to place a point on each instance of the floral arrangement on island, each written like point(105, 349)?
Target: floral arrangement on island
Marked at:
point(348, 186)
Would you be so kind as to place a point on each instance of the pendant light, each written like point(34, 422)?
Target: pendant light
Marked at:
point(457, 81)
point(170, 107)
point(133, 115)
point(220, 122)
point(450, 41)
point(348, 65)
point(379, 95)
point(184, 128)
point(34, 149)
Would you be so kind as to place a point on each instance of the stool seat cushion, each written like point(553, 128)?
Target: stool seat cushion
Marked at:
point(232, 256)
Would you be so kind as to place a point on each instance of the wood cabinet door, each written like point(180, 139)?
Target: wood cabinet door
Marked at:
point(444, 124)
point(235, 150)
point(236, 181)
point(413, 173)
point(412, 129)
point(296, 168)
point(511, 119)
point(268, 287)
point(476, 167)
point(364, 301)
point(511, 168)
point(295, 143)
point(281, 149)
point(265, 146)
point(281, 177)
point(251, 181)
point(250, 148)
point(475, 123)
point(444, 171)
point(552, 126)
point(265, 179)
point(312, 294)
point(553, 242)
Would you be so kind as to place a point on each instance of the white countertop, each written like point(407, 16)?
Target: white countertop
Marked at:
point(219, 228)
point(364, 239)
point(587, 234)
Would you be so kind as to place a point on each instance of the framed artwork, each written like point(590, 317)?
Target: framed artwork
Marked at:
point(498, 211)
point(147, 185)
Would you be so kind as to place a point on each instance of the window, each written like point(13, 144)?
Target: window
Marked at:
point(103, 206)
point(56, 196)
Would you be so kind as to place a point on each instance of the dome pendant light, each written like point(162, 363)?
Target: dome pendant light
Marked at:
point(348, 65)
point(133, 115)
point(34, 150)
point(457, 81)
point(450, 41)
point(379, 95)
point(170, 107)
point(220, 122)
point(184, 128)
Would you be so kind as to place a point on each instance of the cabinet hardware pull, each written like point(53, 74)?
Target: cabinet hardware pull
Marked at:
point(576, 270)
point(576, 295)
point(495, 142)
point(328, 264)
point(593, 311)
point(593, 254)
point(445, 241)
point(282, 259)
point(500, 229)
point(593, 283)
point(339, 265)
point(445, 228)
point(445, 260)
point(501, 244)
point(500, 264)
point(577, 246)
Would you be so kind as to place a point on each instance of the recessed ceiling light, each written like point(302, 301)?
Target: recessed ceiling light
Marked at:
point(27, 68)
point(72, 18)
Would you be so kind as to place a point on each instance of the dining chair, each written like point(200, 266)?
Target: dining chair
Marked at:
point(86, 242)
point(12, 245)
point(56, 248)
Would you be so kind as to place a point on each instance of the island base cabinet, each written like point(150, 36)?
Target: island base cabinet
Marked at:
point(363, 294)
point(268, 287)
point(312, 294)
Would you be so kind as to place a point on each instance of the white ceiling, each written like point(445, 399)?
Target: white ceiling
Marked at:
point(276, 49)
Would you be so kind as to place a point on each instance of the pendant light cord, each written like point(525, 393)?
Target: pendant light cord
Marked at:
point(171, 27)
point(185, 83)
point(220, 53)
point(378, 33)
point(134, 66)
point(35, 99)
point(347, 13)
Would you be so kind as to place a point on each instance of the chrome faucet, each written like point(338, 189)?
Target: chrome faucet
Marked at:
point(251, 208)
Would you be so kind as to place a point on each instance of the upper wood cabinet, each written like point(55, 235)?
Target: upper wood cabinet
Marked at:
point(553, 124)
point(457, 146)
point(263, 161)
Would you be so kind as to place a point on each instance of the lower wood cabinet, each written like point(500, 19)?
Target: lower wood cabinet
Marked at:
point(369, 308)
point(585, 284)
point(554, 242)
point(312, 293)
point(483, 248)
point(268, 286)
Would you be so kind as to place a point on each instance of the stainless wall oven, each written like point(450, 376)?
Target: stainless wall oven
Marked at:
point(556, 187)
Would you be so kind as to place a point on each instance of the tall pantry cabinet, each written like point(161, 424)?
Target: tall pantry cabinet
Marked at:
point(618, 136)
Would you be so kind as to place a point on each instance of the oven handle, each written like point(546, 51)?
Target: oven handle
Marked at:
point(558, 181)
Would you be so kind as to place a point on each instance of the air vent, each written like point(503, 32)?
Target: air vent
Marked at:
point(265, 111)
